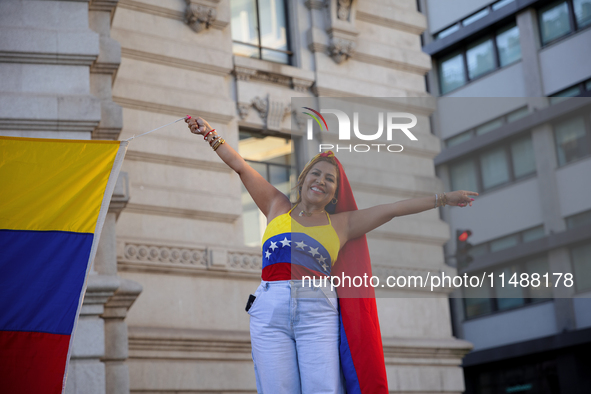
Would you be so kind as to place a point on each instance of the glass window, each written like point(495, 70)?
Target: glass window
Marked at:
point(473, 18)
point(504, 243)
point(489, 126)
point(463, 176)
point(582, 12)
point(508, 45)
point(477, 300)
point(554, 21)
point(458, 139)
point(270, 157)
point(588, 85)
point(451, 72)
point(515, 115)
point(448, 31)
point(500, 4)
point(494, 167)
point(561, 96)
point(579, 220)
point(480, 56)
point(523, 157)
point(508, 296)
point(571, 140)
point(539, 266)
point(244, 22)
point(533, 233)
point(582, 267)
point(273, 30)
point(267, 41)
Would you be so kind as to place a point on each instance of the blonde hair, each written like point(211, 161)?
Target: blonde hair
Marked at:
point(306, 170)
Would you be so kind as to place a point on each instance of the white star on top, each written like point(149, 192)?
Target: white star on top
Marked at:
point(324, 266)
point(301, 245)
point(285, 242)
point(267, 254)
point(313, 251)
point(321, 259)
point(273, 246)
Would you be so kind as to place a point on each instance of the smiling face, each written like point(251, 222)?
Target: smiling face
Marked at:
point(320, 184)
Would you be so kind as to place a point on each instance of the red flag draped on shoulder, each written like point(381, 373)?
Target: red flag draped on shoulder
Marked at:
point(361, 350)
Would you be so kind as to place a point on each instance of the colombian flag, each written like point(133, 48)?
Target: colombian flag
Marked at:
point(54, 195)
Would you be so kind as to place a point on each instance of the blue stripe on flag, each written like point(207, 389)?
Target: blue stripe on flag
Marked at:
point(347, 364)
point(41, 278)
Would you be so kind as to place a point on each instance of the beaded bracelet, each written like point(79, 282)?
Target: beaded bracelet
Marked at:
point(210, 131)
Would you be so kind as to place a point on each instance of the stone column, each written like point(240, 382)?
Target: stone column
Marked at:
point(116, 339)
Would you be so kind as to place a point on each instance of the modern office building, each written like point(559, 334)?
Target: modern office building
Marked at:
point(502, 71)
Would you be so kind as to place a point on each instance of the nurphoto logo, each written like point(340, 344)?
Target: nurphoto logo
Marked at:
point(393, 123)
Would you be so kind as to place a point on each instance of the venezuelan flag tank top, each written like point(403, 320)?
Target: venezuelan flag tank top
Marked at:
point(291, 251)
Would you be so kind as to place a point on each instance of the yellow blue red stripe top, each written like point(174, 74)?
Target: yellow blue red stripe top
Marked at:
point(291, 250)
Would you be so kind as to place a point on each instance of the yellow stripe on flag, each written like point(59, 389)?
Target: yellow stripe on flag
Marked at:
point(48, 184)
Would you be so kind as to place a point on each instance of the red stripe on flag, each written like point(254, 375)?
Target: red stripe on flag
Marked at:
point(32, 362)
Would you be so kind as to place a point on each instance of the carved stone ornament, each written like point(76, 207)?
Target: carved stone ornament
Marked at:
point(273, 112)
point(261, 105)
point(344, 9)
point(199, 16)
point(243, 109)
point(341, 49)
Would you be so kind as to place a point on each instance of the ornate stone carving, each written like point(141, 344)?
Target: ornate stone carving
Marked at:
point(272, 111)
point(301, 85)
point(261, 105)
point(243, 109)
point(343, 9)
point(341, 49)
point(199, 16)
point(163, 254)
point(244, 261)
point(338, 36)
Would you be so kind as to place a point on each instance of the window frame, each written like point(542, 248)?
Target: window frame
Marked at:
point(475, 157)
point(260, 47)
point(493, 299)
point(572, 20)
point(463, 49)
point(587, 122)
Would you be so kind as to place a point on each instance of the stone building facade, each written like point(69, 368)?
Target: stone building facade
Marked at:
point(164, 308)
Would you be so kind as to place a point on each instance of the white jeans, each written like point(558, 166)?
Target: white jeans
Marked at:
point(294, 332)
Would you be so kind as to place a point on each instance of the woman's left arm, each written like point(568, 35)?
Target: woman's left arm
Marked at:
point(360, 222)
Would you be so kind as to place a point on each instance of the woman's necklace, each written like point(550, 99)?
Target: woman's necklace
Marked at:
point(308, 214)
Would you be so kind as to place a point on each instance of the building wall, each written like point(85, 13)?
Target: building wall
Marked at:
point(181, 233)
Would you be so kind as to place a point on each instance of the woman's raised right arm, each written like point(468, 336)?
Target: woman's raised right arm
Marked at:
point(268, 198)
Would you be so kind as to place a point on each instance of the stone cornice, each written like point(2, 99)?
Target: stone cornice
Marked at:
point(174, 62)
point(175, 14)
point(152, 9)
point(48, 125)
point(247, 69)
point(198, 344)
point(392, 23)
point(202, 165)
point(170, 110)
point(193, 344)
point(182, 213)
point(102, 5)
point(47, 58)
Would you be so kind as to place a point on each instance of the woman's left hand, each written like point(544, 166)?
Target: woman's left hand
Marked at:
point(460, 198)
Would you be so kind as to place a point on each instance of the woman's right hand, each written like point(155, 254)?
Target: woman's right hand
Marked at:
point(198, 125)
